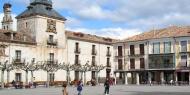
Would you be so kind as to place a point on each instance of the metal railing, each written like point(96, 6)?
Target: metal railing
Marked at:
point(77, 50)
point(52, 42)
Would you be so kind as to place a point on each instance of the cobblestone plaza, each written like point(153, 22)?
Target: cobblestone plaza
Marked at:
point(98, 90)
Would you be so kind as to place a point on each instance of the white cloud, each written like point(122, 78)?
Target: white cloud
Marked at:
point(117, 33)
point(14, 21)
point(73, 22)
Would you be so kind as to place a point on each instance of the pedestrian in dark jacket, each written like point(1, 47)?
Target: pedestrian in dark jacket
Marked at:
point(107, 86)
point(79, 87)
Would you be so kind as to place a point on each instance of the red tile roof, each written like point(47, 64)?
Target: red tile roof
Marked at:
point(19, 37)
point(89, 37)
point(174, 31)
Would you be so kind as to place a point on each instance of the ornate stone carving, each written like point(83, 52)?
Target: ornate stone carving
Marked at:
point(51, 26)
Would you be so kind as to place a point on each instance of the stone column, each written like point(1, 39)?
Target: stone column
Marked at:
point(137, 78)
point(149, 77)
point(115, 78)
point(176, 79)
point(162, 77)
point(2, 79)
point(126, 79)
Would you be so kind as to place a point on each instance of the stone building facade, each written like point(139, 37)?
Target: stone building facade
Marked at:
point(41, 37)
point(158, 56)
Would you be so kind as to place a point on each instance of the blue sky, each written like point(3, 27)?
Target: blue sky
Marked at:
point(116, 18)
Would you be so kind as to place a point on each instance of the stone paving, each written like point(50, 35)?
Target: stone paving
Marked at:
point(98, 90)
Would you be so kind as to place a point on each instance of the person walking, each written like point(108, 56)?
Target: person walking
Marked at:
point(107, 86)
point(65, 89)
point(79, 87)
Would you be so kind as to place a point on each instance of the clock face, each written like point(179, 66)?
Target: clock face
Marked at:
point(51, 26)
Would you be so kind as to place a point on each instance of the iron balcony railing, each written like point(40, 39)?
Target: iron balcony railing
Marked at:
point(77, 50)
point(52, 42)
point(94, 52)
point(108, 53)
point(77, 61)
point(108, 64)
point(52, 61)
point(18, 60)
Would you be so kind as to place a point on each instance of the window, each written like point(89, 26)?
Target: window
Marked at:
point(93, 75)
point(51, 56)
point(132, 63)
point(142, 65)
point(120, 64)
point(120, 50)
point(183, 61)
point(93, 60)
point(108, 62)
point(51, 38)
point(141, 49)
point(77, 45)
point(156, 48)
point(167, 47)
point(76, 59)
point(132, 49)
point(18, 54)
point(52, 77)
point(76, 75)
point(93, 49)
point(26, 24)
point(183, 46)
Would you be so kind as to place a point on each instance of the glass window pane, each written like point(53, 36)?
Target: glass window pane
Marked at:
point(183, 46)
point(156, 48)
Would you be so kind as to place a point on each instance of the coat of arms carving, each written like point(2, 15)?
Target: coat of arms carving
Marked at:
point(51, 26)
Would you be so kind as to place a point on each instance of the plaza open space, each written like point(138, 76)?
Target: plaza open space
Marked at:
point(98, 90)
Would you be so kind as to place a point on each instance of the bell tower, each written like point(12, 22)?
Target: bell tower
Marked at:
point(7, 23)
